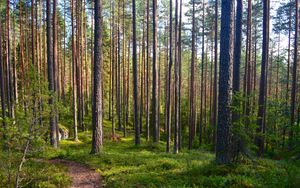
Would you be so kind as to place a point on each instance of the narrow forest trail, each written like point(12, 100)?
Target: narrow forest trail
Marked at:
point(81, 175)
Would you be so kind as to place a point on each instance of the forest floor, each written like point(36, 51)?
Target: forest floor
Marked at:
point(81, 175)
point(122, 164)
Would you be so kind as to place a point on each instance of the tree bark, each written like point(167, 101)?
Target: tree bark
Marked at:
point(97, 118)
point(53, 136)
point(155, 76)
point(223, 155)
point(135, 74)
point(263, 84)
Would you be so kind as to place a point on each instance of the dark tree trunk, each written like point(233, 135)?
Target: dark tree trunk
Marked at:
point(155, 76)
point(53, 136)
point(97, 116)
point(2, 86)
point(176, 75)
point(147, 75)
point(223, 155)
point(55, 69)
point(118, 84)
point(237, 56)
point(135, 74)
point(263, 84)
point(169, 82)
point(248, 64)
point(8, 62)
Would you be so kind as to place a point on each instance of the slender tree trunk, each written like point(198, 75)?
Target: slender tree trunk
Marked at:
point(202, 79)
point(155, 76)
point(135, 74)
point(8, 62)
point(53, 136)
point(169, 82)
point(15, 75)
point(237, 55)
point(75, 123)
point(118, 84)
point(263, 84)
point(215, 95)
point(147, 75)
point(113, 72)
point(248, 64)
point(288, 67)
point(192, 110)
point(294, 80)
point(22, 61)
point(2, 86)
point(176, 75)
point(180, 77)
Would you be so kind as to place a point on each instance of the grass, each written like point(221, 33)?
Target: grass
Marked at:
point(124, 165)
point(35, 174)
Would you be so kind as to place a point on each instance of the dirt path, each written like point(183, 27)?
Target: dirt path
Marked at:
point(81, 175)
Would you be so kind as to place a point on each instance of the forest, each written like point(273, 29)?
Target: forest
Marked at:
point(149, 93)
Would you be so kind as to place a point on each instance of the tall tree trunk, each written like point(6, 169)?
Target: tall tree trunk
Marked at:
point(180, 77)
point(215, 95)
point(263, 84)
point(169, 82)
point(135, 74)
point(113, 72)
point(155, 76)
point(97, 141)
point(288, 67)
point(237, 56)
point(22, 61)
point(192, 111)
point(8, 62)
point(223, 155)
point(248, 64)
point(294, 80)
point(176, 75)
point(118, 84)
point(53, 136)
point(202, 78)
point(147, 75)
point(14, 72)
point(75, 123)
point(2, 86)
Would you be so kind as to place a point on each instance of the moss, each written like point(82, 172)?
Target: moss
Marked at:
point(124, 165)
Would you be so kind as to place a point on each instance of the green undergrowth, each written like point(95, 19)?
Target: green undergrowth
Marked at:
point(124, 165)
point(36, 173)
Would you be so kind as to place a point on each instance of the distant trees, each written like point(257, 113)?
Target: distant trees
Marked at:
point(192, 110)
point(294, 76)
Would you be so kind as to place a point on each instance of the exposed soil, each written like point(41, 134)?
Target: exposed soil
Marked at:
point(81, 175)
